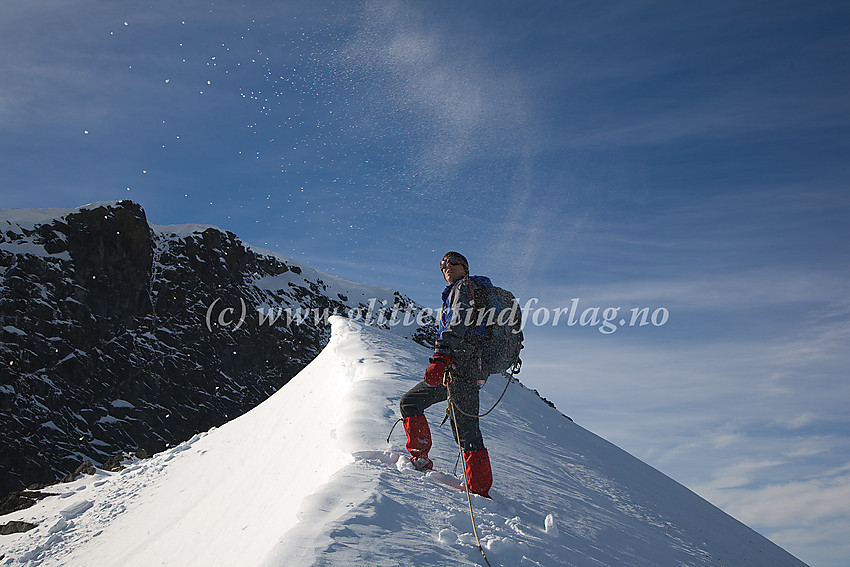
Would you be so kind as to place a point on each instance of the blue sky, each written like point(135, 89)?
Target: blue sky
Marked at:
point(629, 154)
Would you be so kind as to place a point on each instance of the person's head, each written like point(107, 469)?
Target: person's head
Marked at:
point(454, 266)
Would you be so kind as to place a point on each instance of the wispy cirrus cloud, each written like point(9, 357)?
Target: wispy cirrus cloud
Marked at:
point(446, 98)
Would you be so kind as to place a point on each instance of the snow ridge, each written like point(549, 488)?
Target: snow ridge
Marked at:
point(307, 478)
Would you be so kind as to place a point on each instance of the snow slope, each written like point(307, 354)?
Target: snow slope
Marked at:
point(307, 478)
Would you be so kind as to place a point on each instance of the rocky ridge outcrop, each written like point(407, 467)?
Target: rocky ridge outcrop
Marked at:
point(116, 335)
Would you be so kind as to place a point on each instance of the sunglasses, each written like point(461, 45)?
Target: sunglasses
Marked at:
point(454, 261)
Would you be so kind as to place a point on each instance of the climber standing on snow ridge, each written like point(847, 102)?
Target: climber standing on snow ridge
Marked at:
point(455, 368)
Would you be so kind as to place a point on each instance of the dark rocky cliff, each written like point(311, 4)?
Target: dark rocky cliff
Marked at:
point(115, 335)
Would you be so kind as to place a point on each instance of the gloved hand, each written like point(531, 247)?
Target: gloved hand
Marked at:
point(435, 372)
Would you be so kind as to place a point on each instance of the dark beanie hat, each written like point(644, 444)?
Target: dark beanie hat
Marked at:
point(457, 255)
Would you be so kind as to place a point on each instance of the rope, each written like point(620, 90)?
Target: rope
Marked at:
point(508, 378)
point(466, 482)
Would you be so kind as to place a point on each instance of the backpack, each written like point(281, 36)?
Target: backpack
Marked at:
point(501, 319)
